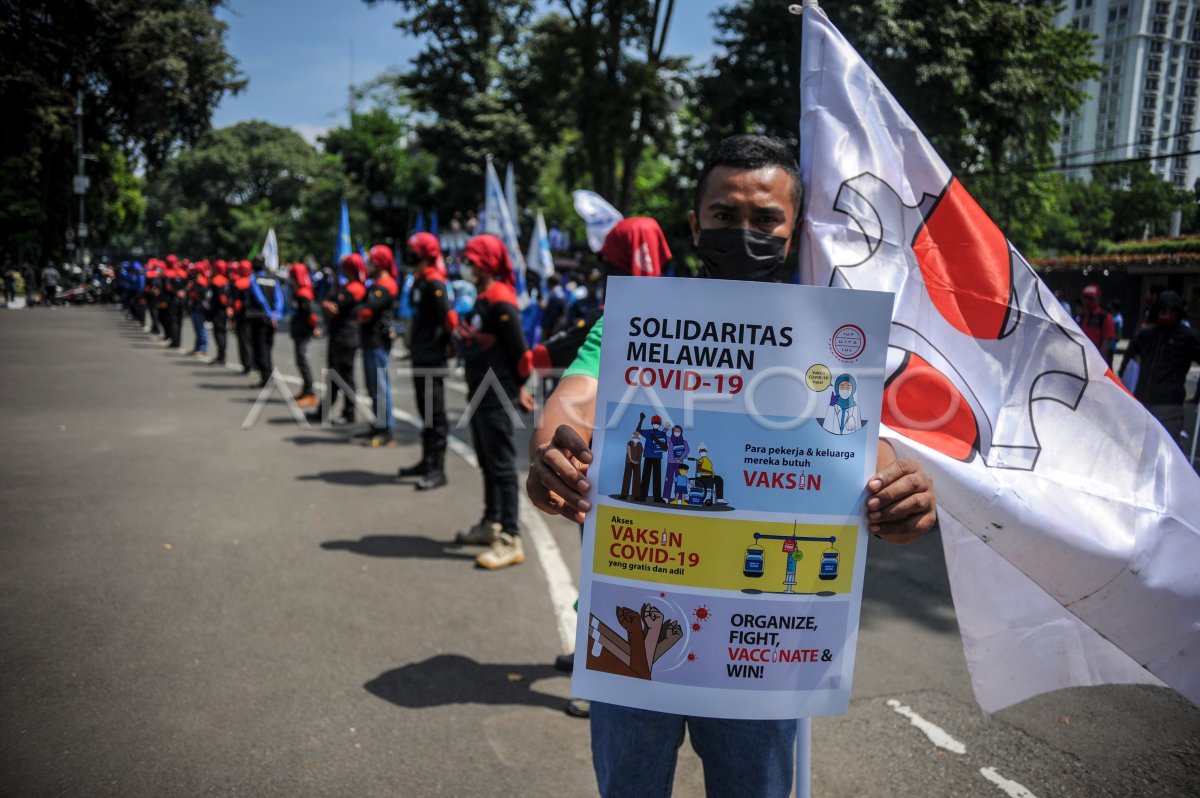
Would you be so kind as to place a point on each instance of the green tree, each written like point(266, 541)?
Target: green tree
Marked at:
point(456, 79)
point(218, 198)
point(985, 80)
point(151, 74)
point(395, 178)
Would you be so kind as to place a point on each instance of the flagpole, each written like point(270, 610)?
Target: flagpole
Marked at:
point(803, 725)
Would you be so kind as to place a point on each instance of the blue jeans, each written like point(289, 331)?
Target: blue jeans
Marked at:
point(634, 752)
point(198, 319)
point(379, 387)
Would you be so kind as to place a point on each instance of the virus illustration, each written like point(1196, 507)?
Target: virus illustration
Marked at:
point(696, 627)
point(662, 595)
point(691, 657)
point(701, 613)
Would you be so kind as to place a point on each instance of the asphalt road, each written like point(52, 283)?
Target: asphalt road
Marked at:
point(192, 608)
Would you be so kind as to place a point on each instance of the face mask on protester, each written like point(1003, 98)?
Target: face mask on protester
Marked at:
point(740, 254)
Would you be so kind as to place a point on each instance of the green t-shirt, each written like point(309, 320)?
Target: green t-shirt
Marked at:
point(587, 359)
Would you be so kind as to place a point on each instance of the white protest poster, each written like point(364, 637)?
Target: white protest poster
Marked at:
point(723, 559)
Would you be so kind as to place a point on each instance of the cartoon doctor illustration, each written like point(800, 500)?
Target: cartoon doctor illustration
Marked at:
point(842, 416)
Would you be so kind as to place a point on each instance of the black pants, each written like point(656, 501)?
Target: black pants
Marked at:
point(245, 345)
point(262, 334)
point(431, 405)
point(10, 292)
point(652, 478)
point(341, 365)
point(302, 366)
point(220, 324)
point(155, 321)
point(496, 447)
point(174, 324)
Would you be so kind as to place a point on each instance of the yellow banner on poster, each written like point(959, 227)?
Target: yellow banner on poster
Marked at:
point(724, 553)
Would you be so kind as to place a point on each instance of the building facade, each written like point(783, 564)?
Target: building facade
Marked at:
point(1144, 102)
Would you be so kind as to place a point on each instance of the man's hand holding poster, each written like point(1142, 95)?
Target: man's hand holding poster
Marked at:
point(737, 425)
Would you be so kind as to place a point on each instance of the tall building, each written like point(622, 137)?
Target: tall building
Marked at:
point(1143, 104)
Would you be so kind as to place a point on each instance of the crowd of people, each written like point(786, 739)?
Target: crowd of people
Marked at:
point(743, 224)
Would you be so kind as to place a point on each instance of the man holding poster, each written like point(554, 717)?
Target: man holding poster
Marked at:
point(730, 619)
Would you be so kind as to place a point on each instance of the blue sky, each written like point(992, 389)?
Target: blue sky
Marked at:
point(296, 54)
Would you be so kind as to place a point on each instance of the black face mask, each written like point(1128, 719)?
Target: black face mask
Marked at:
point(739, 254)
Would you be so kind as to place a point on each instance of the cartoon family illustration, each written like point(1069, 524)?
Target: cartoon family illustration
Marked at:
point(648, 636)
point(683, 484)
point(841, 418)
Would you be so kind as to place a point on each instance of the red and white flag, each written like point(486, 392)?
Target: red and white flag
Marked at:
point(1069, 518)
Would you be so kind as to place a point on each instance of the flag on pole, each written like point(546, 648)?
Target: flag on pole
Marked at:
point(270, 251)
point(344, 246)
point(433, 222)
point(1069, 517)
point(540, 261)
point(510, 196)
point(420, 226)
point(598, 215)
point(499, 223)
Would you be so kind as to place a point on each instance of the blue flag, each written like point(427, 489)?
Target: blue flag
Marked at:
point(343, 247)
point(420, 228)
point(433, 225)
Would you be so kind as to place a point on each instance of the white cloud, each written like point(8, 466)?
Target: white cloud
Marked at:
point(310, 132)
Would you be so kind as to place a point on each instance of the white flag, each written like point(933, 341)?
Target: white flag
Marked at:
point(499, 223)
point(1069, 517)
point(599, 216)
point(510, 195)
point(539, 258)
point(270, 251)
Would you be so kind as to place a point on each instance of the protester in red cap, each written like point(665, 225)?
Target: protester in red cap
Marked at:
point(155, 302)
point(433, 321)
point(265, 306)
point(1096, 322)
point(241, 290)
point(342, 326)
point(634, 247)
point(197, 298)
point(492, 344)
point(375, 333)
point(175, 294)
point(305, 326)
point(219, 308)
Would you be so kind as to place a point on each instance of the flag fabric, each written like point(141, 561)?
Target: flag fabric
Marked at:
point(499, 223)
point(420, 226)
point(270, 251)
point(1068, 516)
point(510, 195)
point(433, 222)
point(598, 216)
point(344, 246)
point(539, 259)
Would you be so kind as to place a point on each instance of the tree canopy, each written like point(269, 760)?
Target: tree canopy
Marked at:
point(151, 73)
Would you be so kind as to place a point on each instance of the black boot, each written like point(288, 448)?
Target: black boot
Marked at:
point(434, 479)
point(419, 470)
point(435, 475)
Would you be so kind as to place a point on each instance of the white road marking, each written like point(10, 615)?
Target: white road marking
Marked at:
point(935, 733)
point(1007, 786)
point(554, 567)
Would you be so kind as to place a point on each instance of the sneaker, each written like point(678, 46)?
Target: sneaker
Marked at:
point(506, 550)
point(432, 480)
point(418, 470)
point(565, 662)
point(306, 400)
point(482, 534)
point(380, 441)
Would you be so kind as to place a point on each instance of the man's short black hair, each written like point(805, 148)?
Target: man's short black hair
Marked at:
point(749, 151)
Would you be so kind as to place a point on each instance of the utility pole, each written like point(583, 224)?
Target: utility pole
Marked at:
point(81, 181)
